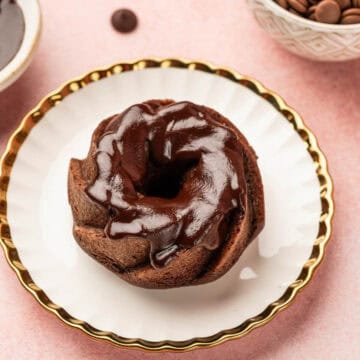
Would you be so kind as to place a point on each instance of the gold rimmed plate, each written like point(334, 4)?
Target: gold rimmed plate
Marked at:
point(36, 222)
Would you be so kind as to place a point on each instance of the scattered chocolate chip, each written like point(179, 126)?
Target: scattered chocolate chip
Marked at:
point(124, 20)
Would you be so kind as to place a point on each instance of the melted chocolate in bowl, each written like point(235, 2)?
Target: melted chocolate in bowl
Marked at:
point(173, 175)
point(12, 28)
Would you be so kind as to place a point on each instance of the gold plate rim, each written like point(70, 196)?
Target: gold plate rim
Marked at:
point(307, 272)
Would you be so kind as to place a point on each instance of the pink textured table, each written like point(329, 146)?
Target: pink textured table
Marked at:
point(324, 322)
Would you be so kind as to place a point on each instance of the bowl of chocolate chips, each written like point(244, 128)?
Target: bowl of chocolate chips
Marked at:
point(20, 25)
point(324, 30)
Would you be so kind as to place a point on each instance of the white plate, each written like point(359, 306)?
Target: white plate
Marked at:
point(41, 223)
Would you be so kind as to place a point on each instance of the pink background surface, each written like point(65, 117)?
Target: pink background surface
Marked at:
point(324, 321)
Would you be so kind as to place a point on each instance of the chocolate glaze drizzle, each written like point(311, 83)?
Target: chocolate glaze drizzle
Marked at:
point(169, 174)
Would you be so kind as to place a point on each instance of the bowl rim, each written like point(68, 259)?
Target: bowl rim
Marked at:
point(17, 65)
point(278, 10)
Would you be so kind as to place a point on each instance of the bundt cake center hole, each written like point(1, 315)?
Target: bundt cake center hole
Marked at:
point(165, 181)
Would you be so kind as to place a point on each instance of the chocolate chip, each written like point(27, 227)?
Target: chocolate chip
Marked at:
point(344, 4)
point(293, 11)
point(282, 3)
point(351, 16)
point(311, 12)
point(325, 11)
point(328, 11)
point(124, 20)
point(298, 5)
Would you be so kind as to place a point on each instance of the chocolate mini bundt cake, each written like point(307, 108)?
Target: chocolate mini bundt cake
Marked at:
point(169, 194)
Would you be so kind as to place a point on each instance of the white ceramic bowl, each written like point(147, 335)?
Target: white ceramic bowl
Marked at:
point(307, 38)
point(32, 18)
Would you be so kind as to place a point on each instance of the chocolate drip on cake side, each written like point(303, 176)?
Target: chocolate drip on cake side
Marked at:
point(170, 174)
